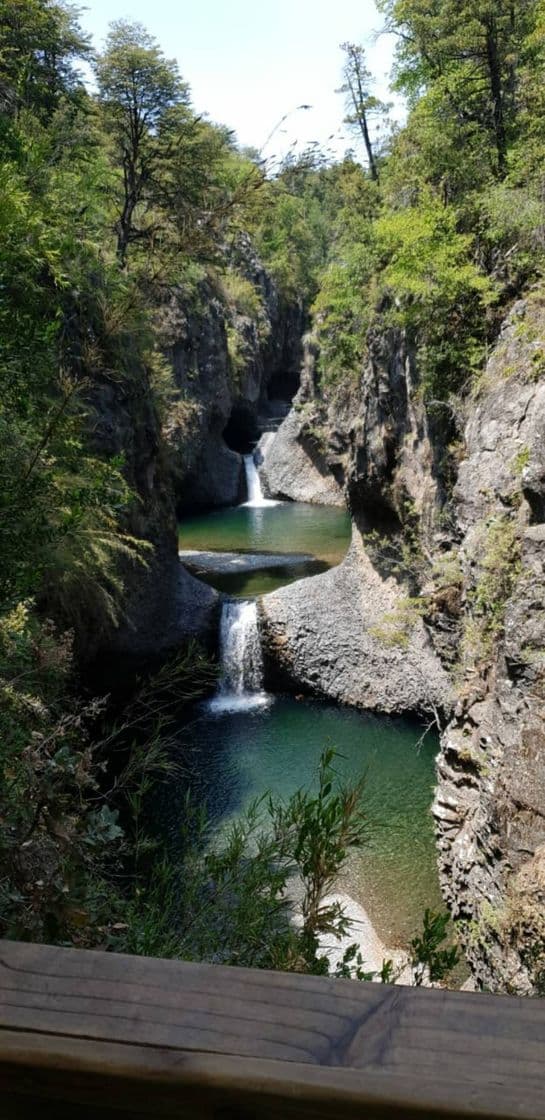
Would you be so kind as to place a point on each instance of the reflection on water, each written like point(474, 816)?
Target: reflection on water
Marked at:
point(235, 757)
point(321, 531)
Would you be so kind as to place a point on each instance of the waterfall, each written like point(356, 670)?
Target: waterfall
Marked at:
point(253, 483)
point(241, 680)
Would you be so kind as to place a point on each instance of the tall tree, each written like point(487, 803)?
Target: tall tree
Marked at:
point(138, 87)
point(470, 51)
point(40, 44)
point(361, 104)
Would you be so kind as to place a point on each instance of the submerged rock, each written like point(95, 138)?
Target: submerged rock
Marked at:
point(225, 563)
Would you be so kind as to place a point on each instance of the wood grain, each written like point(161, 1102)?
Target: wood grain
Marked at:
point(118, 1035)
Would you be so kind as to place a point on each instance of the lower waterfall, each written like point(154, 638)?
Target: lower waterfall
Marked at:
point(241, 679)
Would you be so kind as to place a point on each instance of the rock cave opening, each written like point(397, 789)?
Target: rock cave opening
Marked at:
point(241, 432)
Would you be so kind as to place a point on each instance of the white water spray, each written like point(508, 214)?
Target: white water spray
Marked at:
point(240, 686)
point(253, 483)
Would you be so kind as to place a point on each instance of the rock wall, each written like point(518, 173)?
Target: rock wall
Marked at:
point(486, 620)
point(490, 801)
point(353, 633)
point(164, 606)
point(221, 402)
point(291, 468)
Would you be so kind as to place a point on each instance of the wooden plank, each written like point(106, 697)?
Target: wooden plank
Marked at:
point(115, 1034)
point(115, 1080)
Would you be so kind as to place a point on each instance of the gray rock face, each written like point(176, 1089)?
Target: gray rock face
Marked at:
point(490, 801)
point(289, 467)
point(217, 478)
point(323, 634)
point(352, 633)
point(218, 404)
point(163, 606)
point(373, 436)
point(167, 608)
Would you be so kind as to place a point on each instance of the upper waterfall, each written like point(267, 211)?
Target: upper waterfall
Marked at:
point(253, 483)
point(241, 658)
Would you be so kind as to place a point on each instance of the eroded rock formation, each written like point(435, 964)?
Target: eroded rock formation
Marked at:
point(353, 633)
point(486, 620)
point(217, 416)
point(332, 634)
point(490, 802)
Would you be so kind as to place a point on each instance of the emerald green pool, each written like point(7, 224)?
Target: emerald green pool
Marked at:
point(323, 532)
point(235, 756)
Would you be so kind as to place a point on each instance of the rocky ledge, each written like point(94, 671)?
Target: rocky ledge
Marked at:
point(345, 634)
point(289, 467)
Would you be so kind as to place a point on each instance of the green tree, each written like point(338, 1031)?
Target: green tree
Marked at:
point(470, 50)
point(138, 87)
point(40, 44)
point(361, 104)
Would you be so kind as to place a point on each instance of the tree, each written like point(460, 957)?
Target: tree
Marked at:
point(469, 49)
point(40, 42)
point(361, 104)
point(138, 87)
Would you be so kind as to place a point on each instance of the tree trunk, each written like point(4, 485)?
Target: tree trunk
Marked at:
point(496, 90)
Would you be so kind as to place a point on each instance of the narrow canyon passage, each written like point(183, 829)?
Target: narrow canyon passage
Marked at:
point(247, 741)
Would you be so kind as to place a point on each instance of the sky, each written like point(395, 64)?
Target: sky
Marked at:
point(250, 63)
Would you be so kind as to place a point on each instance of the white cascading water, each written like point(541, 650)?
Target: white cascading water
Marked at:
point(253, 483)
point(240, 686)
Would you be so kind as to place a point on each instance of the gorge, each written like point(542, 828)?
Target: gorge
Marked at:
point(355, 634)
point(250, 742)
point(273, 484)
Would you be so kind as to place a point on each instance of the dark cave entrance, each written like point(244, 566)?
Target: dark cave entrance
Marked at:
point(242, 430)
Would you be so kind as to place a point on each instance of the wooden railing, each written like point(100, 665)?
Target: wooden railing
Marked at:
point(93, 1036)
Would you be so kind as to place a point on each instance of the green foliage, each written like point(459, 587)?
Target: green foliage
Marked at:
point(496, 575)
point(457, 228)
point(343, 307)
point(286, 243)
point(429, 961)
point(138, 87)
point(243, 296)
point(259, 893)
point(39, 44)
point(64, 842)
point(278, 856)
point(396, 627)
point(499, 567)
point(440, 295)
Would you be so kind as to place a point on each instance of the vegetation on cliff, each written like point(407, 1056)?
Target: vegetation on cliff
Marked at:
point(448, 227)
point(111, 202)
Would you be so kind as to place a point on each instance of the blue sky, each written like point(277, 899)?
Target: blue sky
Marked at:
point(248, 62)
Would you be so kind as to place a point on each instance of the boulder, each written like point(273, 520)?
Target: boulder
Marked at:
point(290, 468)
point(335, 635)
